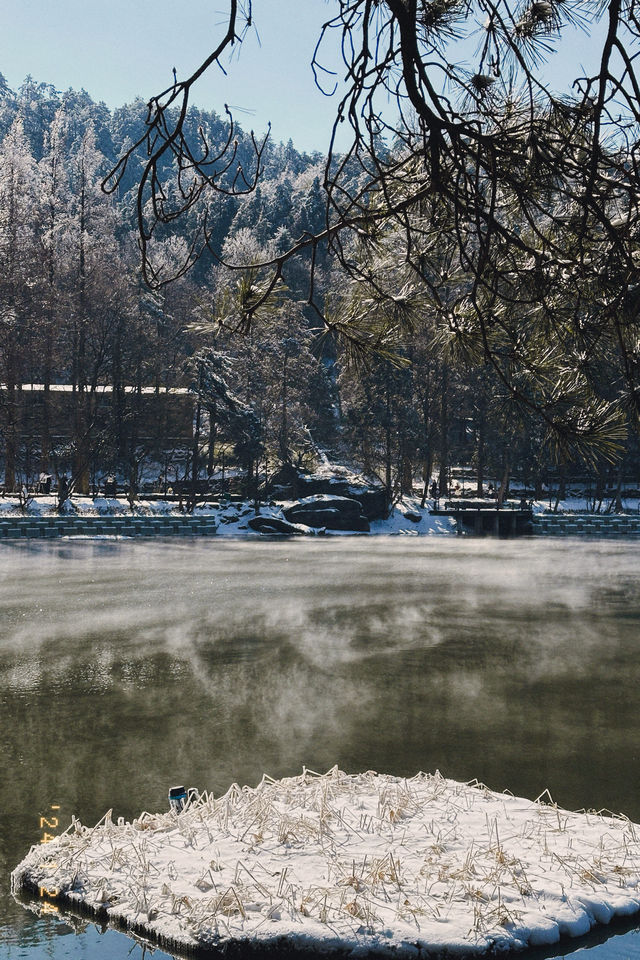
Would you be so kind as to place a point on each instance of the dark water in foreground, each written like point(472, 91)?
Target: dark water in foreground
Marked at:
point(126, 668)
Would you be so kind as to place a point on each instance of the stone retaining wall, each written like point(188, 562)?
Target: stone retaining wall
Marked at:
point(586, 524)
point(16, 527)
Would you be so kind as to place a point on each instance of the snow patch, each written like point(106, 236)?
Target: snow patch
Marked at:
point(362, 862)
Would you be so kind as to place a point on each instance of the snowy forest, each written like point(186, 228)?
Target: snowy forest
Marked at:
point(102, 376)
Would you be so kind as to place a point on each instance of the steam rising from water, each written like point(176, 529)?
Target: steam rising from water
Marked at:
point(304, 645)
point(375, 653)
point(334, 603)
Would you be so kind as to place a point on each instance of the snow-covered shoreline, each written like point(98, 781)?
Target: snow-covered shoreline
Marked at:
point(107, 517)
point(231, 518)
point(367, 862)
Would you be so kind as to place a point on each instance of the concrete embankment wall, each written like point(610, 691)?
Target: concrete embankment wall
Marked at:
point(585, 524)
point(113, 526)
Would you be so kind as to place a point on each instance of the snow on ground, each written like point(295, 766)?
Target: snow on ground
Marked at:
point(231, 517)
point(403, 521)
point(583, 504)
point(363, 861)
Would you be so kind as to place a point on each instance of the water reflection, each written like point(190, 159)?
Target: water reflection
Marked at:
point(125, 668)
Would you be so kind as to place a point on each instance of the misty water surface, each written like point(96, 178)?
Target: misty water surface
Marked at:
point(128, 667)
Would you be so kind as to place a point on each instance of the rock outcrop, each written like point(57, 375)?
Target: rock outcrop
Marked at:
point(371, 496)
point(330, 512)
point(274, 525)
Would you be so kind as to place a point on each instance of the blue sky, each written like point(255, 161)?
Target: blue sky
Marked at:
point(125, 48)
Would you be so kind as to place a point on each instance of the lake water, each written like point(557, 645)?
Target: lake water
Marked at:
point(128, 667)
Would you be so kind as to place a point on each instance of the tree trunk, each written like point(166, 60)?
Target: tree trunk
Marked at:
point(616, 503)
point(212, 438)
point(427, 437)
point(81, 477)
point(426, 477)
point(443, 479)
point(195, 457)
point(11, 436)
point(256, 487)
point(406, 474)
point(504, 483)
point(387, 444)
point(283, 434)
point(45, 426)
point(480, 451)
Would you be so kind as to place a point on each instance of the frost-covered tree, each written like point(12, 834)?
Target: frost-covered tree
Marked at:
point(92, 255)
point(479, 156)
point(53, 211)
point(20, 265)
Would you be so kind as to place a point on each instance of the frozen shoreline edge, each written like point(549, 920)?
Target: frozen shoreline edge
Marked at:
point(103, 517)
point(283, 948)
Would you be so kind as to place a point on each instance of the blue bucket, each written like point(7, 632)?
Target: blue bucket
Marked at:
point(177, 798)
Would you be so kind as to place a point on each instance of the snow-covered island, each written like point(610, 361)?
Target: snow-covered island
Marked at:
point(410, 867)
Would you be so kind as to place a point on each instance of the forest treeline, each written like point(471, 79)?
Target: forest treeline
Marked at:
point(162, 383)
